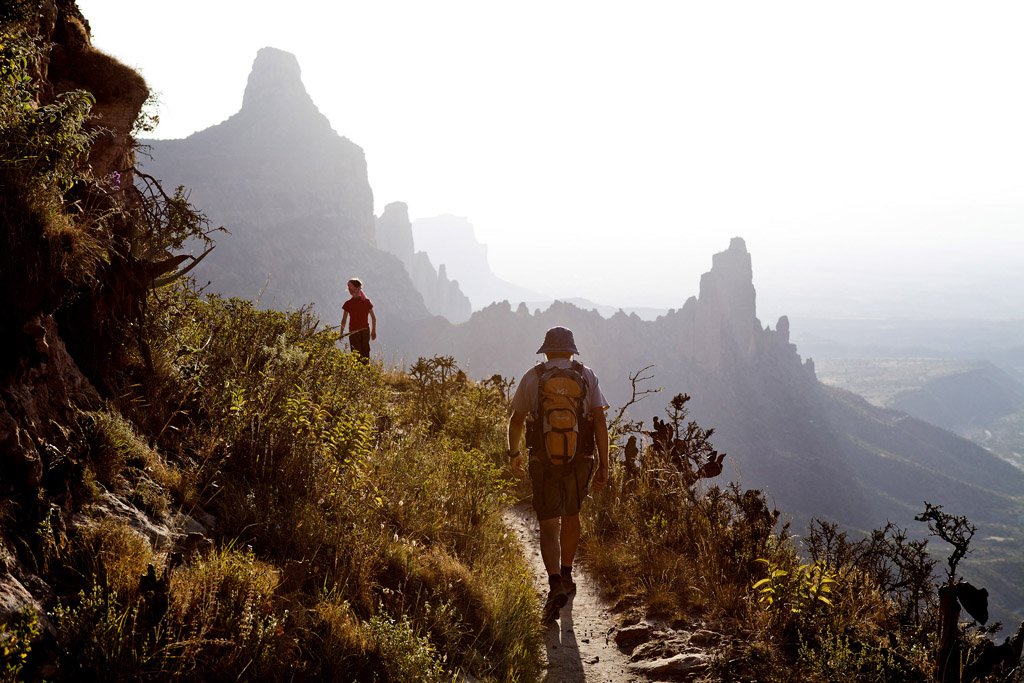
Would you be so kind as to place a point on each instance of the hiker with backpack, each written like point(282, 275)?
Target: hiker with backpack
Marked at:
point(560, 407)
point(360, 308)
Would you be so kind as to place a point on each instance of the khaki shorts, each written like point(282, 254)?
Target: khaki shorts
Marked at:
point(558, 491)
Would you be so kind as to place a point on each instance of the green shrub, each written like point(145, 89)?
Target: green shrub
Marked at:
point(336, 478)
point(16, 639)
point(841, 658)
point(43, 144)
point(404, 654)
point(800, 591)
point(99, 639)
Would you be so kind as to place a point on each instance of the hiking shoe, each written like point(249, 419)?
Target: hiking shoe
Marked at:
point(555, 602)
point(568, 585)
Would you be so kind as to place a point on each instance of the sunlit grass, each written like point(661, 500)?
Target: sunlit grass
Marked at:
point(356, 514)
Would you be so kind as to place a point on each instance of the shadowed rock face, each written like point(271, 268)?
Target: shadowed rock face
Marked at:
point(296, 199)
point(42, 390)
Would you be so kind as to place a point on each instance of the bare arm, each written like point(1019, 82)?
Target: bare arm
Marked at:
point(344, 319)
point(516, 426)
point(373, 329)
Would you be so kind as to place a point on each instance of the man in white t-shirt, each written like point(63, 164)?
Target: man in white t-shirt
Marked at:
point(559, 490)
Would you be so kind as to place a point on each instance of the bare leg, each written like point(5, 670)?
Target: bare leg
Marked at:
point(549, 543)
point(570, 540)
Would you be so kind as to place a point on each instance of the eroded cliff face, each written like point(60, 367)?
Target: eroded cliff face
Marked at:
point(74, 64)
point(296, 200)
point(441, 296)
point(450, 241)
point(715, 339)
point(42, 389)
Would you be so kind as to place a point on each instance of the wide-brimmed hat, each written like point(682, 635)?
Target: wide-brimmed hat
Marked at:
point(558, 339)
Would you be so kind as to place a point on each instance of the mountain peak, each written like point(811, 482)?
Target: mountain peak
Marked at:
point(275, 77)
point(276, 103)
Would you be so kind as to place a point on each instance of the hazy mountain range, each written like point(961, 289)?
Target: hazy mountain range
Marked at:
point(450, 240)
point(296, 198)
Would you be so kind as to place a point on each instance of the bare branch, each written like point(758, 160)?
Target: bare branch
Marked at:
point(635, 379)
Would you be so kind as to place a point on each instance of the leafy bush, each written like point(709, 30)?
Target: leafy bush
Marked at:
point(664, 539)
point(842, 658)
point(44, 145)
point(404, 654)
point(801, 591)
point(665, 543)
point(16, 643)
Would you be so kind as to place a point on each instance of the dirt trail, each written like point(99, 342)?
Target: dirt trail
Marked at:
point(579, 645)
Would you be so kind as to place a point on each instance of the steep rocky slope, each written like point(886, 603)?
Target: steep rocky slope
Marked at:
point(75, 271)
point(296, 199)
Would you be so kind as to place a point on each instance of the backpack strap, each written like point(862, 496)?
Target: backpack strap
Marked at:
point(539, 369)
point(587, 443)
point(534, 422)
point(578, 369)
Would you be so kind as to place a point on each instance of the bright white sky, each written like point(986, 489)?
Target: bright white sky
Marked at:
point(870, 153)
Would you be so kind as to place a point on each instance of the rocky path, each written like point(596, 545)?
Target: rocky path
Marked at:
point(586, 646)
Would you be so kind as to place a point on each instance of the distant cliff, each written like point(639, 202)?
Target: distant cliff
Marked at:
point(296, 199)
point(450, 240)
point(441, 295)
point(819, 452)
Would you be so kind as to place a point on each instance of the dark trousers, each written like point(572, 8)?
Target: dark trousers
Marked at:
point(359, 341)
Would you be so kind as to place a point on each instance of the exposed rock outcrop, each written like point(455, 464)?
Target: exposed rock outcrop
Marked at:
point(442, 296)
point(296, 199)
point(72, 285)
point(724, 319)
point(119, 91)
point(41, 386)
point(38, 411)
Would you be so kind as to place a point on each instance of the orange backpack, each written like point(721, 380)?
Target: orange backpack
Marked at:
point(561, 429)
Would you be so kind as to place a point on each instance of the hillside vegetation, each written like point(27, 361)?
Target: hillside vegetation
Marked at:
point(354, 527)
point(195, 489)
point(237, 498)
point(673, 547)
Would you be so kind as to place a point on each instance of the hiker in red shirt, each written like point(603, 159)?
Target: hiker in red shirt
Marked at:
point(360, 308)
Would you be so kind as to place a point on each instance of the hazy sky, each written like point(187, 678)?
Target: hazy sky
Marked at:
point(870, 153)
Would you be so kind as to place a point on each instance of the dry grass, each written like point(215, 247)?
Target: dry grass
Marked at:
point(668, 546)
point(355, 523)
point(111, 554)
